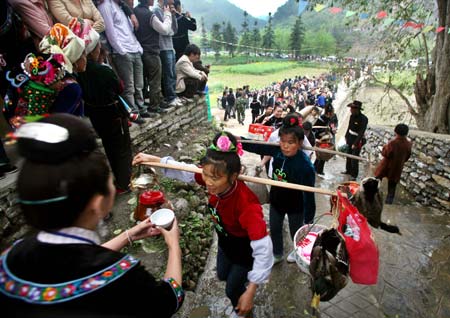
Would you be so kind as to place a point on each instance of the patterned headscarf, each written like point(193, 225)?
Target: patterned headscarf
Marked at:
point(86, 32)
point(62, 40)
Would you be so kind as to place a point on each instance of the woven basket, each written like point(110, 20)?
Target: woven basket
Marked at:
point(323, 155)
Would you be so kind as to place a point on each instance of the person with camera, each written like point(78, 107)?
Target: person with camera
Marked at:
point(185, 23)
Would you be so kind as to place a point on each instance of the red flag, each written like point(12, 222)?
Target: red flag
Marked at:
point(335, 10)
point(419, 26)
point(381, 15)
point(409, 24)
point(440, 29)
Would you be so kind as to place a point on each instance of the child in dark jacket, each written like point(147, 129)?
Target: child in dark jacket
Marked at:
point(290, 164)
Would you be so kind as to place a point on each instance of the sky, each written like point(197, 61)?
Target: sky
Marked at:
point(258, 8)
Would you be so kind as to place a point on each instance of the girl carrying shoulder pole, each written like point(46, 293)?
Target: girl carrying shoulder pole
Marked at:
point(244, 258)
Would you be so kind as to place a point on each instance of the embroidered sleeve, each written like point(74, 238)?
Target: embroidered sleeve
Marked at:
point(177, 290)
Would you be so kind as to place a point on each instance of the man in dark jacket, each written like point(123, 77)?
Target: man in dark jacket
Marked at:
point(148, 33)
point(354, 137)
point(185, 23)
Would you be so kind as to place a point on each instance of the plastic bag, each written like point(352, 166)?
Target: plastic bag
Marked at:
point(362, 250)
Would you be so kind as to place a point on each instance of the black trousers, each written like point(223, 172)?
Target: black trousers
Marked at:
point(192, 85)
point(352, 165)
point(392, 185)
point(112, 128)
point(319, 165)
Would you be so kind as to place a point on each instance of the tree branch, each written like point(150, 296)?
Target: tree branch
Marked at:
point(399, 92)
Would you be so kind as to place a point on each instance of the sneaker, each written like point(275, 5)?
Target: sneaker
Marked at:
point(277, 259)
point(135, 118)
point(187, 100)
point(145, 114)
point(174, 103)
point(7, 169)
point(291, 257)
point(181, 100)
point(166, 107)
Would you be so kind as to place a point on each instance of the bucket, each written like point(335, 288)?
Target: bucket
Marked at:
point(303, 244)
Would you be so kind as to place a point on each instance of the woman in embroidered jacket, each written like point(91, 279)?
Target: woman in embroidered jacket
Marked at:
point(65, 189)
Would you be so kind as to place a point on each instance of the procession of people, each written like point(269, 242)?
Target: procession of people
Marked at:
point(119, 66)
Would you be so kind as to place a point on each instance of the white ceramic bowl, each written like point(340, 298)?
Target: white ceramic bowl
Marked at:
point(162, 218)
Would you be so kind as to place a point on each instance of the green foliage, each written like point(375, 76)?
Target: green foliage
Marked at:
point(230, 37)
point(216, 11)
point(235, 60)
point(195, 241)
point(260, 68)
point(296, 38)
point(319, 43)
point(167, 184)
point(216, 34)
point(246, 36)
point(281, 41)
point(403, 80)
point(268, 38)
point(256, 37)
point(204, 40)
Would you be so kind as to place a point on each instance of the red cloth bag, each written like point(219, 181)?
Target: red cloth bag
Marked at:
point(362, 250)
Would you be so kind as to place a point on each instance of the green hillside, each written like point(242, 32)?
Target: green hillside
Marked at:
point(217, 11)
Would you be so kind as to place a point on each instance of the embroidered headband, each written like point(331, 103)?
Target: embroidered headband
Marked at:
point(224, 144)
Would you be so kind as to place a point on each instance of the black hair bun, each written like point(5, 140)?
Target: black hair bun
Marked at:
point(291, 120)
point(55, 139)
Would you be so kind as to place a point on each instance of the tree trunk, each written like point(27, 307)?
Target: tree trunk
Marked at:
point(433, 92)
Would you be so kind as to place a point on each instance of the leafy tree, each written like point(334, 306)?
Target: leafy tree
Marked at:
point(204, 40)
point(318, 43)
point(296, 38)
point(230, 37)
point(431, 109)
point(216, 35)
point(281, 39)
point(256, 37)
point(268, 37)
point(246, 36)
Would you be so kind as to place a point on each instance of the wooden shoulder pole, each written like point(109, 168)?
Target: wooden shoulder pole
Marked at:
point(334, 152)
point(246, 178)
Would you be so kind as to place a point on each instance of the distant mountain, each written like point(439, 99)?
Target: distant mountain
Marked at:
point(287, 13)
point(217, 11)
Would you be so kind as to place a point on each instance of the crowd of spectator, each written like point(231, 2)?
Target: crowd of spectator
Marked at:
point(102, 59)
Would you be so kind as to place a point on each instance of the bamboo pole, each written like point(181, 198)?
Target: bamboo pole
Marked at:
point(260, 142)
point(265, 181)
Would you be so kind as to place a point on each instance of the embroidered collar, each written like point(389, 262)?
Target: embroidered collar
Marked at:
point(227, 192)
point(30, 292)
point(69, 235)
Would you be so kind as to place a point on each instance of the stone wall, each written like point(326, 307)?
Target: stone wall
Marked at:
point(147, 136)
point(426, 175)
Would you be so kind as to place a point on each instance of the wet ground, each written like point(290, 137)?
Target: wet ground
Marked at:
point(414, 273)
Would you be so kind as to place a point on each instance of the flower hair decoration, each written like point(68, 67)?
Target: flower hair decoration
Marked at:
point(224, 144)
